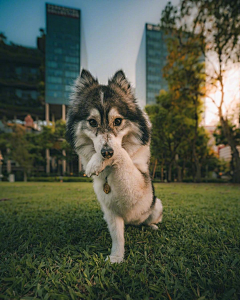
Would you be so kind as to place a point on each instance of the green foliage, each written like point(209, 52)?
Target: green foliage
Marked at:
point(54, 242)
point(214, 25)
point(28, 149)
point(20, 148)
point(221, 138)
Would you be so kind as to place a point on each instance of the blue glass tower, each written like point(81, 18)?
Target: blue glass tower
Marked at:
point(62, 58)
point(151, 59)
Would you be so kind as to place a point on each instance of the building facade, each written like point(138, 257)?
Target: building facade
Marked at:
point(63, 52)
point(151, 59)
point(21, 74)
point(65, 55)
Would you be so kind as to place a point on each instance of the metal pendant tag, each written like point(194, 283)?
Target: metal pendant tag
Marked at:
point(106, 188)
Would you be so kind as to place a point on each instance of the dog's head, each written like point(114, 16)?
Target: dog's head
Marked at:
point(98, 112)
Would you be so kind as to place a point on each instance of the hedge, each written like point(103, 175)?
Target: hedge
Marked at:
point(59, 178)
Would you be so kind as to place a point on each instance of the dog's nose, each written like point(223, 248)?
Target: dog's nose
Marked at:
point(107, 152)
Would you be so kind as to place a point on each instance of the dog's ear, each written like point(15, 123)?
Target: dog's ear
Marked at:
point(120, 79)
point(85, 80)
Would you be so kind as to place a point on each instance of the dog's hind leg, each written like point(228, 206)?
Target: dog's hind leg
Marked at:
point(116, 229)
point(156, 215)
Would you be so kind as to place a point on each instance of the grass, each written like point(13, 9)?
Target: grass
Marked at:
point(54, 242)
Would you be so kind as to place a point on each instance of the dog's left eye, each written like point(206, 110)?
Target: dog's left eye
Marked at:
point(117, 122)
point(93, 123)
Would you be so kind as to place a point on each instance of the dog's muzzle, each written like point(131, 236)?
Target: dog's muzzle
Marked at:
point(107, 152)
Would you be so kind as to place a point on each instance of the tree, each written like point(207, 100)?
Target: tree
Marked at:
point(185, 75)
point(169, 129)
point(20, 149)
point(216, 26)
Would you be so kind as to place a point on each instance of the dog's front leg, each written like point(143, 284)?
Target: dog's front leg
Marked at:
point(96, 165)
point(116, 229)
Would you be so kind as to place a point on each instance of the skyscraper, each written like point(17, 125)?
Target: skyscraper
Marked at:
point(64, 57)
point(150, 62)
point(63, 52)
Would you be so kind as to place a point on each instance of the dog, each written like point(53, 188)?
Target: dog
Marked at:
point(112, 135)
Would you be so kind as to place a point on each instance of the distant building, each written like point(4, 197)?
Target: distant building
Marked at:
point(64, 57)
point(225, 152)
point(21, 71)
point(150, 61)
point(211, 142)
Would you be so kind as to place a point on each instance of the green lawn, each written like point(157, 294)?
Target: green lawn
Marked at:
point(54, 242)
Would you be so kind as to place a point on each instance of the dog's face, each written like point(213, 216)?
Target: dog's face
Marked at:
point(98, 114)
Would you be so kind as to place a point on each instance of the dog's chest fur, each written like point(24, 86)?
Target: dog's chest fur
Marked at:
point(128, 199)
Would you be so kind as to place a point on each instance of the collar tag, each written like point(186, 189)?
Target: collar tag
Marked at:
point(106, 188)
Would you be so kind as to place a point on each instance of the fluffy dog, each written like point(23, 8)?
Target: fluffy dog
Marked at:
point(112, 135)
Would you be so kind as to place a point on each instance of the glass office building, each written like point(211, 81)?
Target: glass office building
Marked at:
point(150, 62)
point(63, 52)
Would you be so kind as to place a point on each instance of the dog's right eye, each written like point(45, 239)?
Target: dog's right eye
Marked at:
point(93, 123)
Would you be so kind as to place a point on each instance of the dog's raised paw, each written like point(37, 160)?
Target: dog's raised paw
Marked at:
point(92, 169)
point(114, 259)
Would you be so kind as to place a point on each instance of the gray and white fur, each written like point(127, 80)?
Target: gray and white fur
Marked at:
point(112, 135)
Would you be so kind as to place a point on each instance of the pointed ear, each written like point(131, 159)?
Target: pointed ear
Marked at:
point(120, 79)
point(85, 80)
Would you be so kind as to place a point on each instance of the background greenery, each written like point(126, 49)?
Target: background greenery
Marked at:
point(54, 242)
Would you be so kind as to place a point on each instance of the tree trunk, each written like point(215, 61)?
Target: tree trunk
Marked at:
point(25, 176)
point(154, 169)
point(170, 172)
point(179, 174)
point(183, 169)
point(162, 172)
point(197, 175)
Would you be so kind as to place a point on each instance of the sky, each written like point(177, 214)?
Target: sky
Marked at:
point(112, 29)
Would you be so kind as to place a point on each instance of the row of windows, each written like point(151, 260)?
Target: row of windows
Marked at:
point(157, 57)
point(64, 81)
point(53, 79)
point(155, 64)
point(53, 38)
point(153, 82)
point(157, 72)
point(154, 34)
point(157, 77)
point(62, 66)
point(57, 94)
point(59, 87)
point(26, 94)
point(153, 53)
point(154, 77)
point(71, 75)
point(61, 73)
point(151, 100)
point(151, 91)
point(66, 52)
point(154, 72)
point(22, 70)
point(66, 46)
point(63, 58)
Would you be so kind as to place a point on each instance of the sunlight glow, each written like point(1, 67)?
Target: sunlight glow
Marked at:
point(231, 105)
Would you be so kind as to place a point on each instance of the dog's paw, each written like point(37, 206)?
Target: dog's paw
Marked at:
point(114, 259)
point(93, 168)
point(153, 226)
